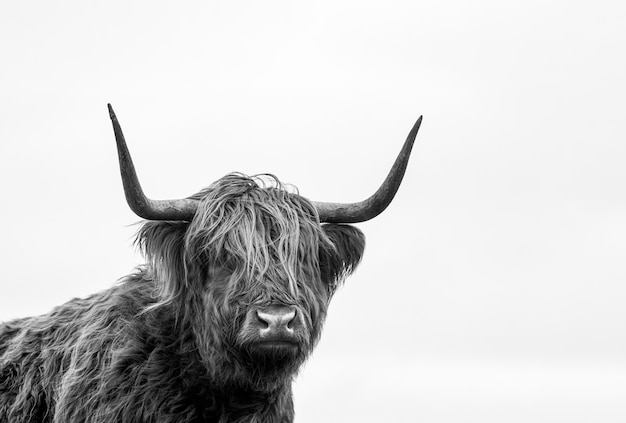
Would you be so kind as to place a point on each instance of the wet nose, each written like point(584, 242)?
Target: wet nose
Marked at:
point(276, 320)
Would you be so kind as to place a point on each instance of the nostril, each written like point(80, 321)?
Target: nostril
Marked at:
point(263, 323)
point(292, 319)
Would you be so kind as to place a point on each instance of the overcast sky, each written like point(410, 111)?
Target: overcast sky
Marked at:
point(492, 289)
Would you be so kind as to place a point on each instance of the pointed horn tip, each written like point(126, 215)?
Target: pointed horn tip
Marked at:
point(111, 112)
point(414, 130)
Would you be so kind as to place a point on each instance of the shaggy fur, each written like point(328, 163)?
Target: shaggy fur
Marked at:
point(166, 344)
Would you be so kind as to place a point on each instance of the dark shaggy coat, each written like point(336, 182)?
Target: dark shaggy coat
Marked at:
point(168, 343)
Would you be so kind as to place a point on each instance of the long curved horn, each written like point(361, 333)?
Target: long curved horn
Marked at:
point(377, 203)
point(183, 209)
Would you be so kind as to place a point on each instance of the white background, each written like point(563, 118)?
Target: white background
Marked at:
point(492, 289)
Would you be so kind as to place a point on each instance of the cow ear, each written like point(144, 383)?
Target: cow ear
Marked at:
point(162, 243)
point(338, 262)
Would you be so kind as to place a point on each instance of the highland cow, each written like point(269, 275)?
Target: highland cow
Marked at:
point(215, 325)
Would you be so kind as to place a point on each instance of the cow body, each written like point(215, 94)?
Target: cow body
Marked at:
point(98, 360)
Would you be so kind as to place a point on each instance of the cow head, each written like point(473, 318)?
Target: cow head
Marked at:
point(251, 264)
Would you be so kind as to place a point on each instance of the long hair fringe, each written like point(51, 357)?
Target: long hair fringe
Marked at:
point(244, 224)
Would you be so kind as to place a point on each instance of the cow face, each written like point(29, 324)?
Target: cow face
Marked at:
point(263, 268)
